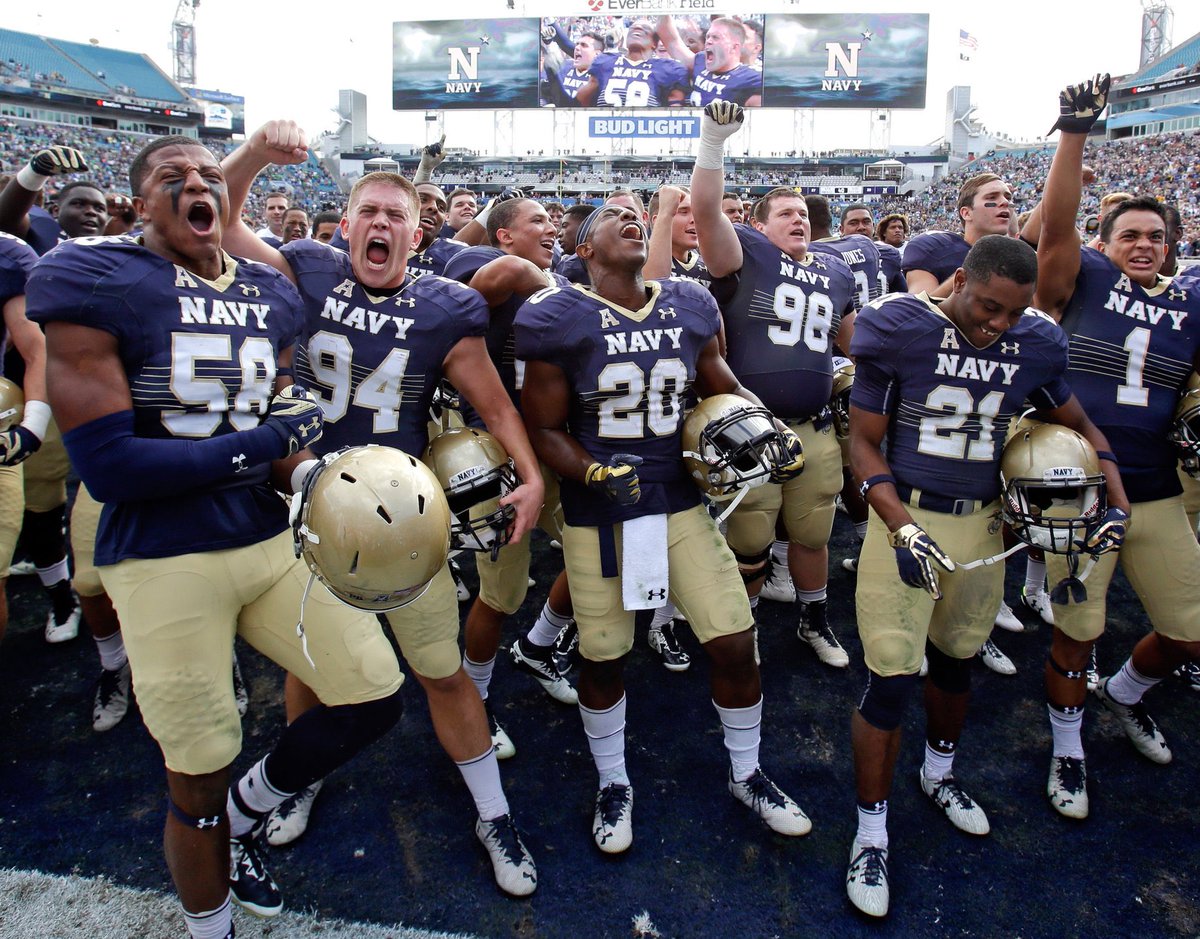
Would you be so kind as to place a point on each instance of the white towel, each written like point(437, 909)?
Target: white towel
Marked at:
point(644, 562)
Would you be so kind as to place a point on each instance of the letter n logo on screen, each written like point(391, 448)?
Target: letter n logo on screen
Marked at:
point(465, 59)
point(844, 56)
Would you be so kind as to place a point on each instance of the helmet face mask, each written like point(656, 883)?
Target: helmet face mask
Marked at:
point(374, 527)
point(1185, 430)
point(731, 444)
point(474, 473)
point(1054, 493)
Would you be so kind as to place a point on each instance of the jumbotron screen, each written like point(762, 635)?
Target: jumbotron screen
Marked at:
point(786, 60)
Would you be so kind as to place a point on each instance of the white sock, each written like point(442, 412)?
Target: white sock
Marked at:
point(743, 733)
point(662, 615)
point(482, 776)
point(860, 530)
point(1066, 725)
point(606, 739)
point(112, 652)
point(1128, 685)
point(1035, 577)
point(938, 765)
point(546, 627)
point(215, 924)
point(812, 596)
point(259, 796)
point(480, 673)
point(754, 602)
point(779, 554)
point(872, 825)
point(55, 573)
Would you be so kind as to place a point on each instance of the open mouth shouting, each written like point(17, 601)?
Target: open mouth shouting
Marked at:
point(202, 219)
point(377, 253)
point(632, 231)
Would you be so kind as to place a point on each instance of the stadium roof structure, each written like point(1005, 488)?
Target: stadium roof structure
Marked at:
point(1184, 55)
point(1149, 115)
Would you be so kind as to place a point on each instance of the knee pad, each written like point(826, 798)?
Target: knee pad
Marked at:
point(44, 536)
point(753, 566)
point(950, 675)
point(882, 704)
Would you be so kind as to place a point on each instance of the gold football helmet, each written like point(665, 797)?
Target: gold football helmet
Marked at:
point(730, 444)
point(373, 527)
point(12, 404)
point(839, 402)
point(474, 472)
point(1053, 489)
point(1185, 430)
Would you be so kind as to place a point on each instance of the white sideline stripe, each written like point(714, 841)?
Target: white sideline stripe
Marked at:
point(52, 907)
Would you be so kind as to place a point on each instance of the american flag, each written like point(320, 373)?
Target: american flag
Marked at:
point(967, 41)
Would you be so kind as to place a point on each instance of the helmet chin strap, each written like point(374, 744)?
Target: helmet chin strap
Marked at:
point(312, 576)
point(733, 503)
point(994, 559)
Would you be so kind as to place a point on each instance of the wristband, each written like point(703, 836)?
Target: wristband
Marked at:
point(300, 473)
point(31, 179)
point(710, 155)
point(36, 418)
point(1106, 455)
point(875, 481)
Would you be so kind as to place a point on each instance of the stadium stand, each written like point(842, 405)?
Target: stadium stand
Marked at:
point(32, 59)
point(124, 72)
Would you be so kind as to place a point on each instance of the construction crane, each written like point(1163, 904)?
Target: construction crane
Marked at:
point(183, 43)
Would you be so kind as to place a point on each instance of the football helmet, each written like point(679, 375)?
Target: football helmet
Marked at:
point(839, 402)
point(1185, 430)
point(373, 526)
point(730, 444)
point(12, 404)
point(1054, 493)
point(474, 472)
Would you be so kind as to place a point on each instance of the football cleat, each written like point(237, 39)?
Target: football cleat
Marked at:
point(996, 660)
point(1007, 619)
point(566, 648)
point(250, 884)
point(112, 698)
point(24, 568)
point(850, 565)
point(778, 586)
point(1040, 604)
point(1189, 674)
point(1067, 786)
point(816, 632)
point(501, 742)
point(539, 663)
point(867, 879)
point(959, 807)
point(289, 820)
point(512, 864)
point(63, 631)
point(240, 694)
point(612, 825)
point(780, 813)
point(1138, 725)
point(663, 640)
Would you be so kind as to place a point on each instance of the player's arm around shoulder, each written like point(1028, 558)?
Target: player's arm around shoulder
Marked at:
point(510, 275)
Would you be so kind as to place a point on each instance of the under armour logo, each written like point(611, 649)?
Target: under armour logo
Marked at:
point(659, 594)
point(210, 821)
point(1010, 348)
point(667, 313)
point(406, 301)
point(1177, 294)
point(249, 290)
point(239, 463)
point(310, 428)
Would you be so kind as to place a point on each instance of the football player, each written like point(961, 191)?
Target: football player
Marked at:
point(673, 242)
point(607, 370)
point(1135, 339)
point(936, 385)
point(376, 343)
point(780, 326)
point(433, 251)
point(717, 73)
point(576, 74)
point(163, 364)
point(634, 78)
point(892, 230)
point(856, 220)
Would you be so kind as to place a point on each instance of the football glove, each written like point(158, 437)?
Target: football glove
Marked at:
point(721, 119)
point(297, 417)
point(1109, 534)
point(432, 157)
point(1079, 106)
point(617, 479)
point(17, 445)
point(790, 470)
point(548, 34)
point(55, 161)
point(915, 552)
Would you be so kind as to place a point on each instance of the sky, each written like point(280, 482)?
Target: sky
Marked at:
point(290, 60)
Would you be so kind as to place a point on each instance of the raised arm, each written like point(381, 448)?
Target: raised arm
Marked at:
point(1058, 245)
point(658, 259)
point(719, 245)
point(677, 49)
point(19, 196)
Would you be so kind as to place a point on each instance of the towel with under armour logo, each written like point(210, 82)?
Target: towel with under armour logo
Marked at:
point(644, 582)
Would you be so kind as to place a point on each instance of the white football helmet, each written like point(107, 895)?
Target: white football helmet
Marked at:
point(1053, 489)
point(474, 472)
point(12, 404)
point(373, 526)
point(730, 444)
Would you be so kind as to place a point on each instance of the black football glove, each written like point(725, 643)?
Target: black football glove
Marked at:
point(795, 465)
point(548, 34)
point(55, 161)
point(1110, 533)
point(1079, 106)
point(915, 552)
point(297, 417)
point(17, 445)
point(617, 479)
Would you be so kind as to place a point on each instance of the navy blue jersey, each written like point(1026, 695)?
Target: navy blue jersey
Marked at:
point(645, 84)
point(44, 231)
point(339, 240)
point(739, 84)
point(949, 403)
point(780, 322)
point(629, 371)
point(571, 80)
point(891, 277)
point(500, 340)
point(572, 268)
point(200, 357)
point(1132, 350)
point(16, 261)
point(939, 252)
point(691, 268)
point(374, 361)
point(862, 257)
point(433, 260)
point(274, 242)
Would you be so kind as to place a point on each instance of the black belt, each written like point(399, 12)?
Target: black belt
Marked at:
point(935, 503)
point(820, 420)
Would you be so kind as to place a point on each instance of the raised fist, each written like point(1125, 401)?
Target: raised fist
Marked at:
point(722, 119)
point(1079, 106)
point(56, 161)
